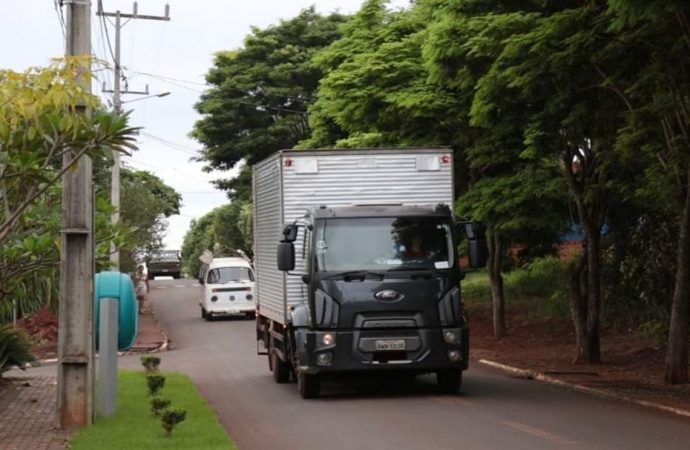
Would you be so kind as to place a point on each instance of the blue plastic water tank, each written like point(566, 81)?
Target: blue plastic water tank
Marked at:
point(120, 286)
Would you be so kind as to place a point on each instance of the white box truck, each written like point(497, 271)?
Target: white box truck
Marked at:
point(355, 253)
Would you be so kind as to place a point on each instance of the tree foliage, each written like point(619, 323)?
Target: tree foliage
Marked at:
point(41, 137)
point(259, 93)
point(223, 231)
point(40, 128)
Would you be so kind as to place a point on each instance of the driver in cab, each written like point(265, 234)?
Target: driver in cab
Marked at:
point(416, 250)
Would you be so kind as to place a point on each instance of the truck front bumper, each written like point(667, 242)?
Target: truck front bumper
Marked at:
point(414, 350)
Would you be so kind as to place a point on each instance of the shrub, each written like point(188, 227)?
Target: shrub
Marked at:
point(150, 363)
point(15, 349)
point(155, 383)
point(171, 418)
point(158, 405)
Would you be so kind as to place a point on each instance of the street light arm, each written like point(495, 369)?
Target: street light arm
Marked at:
point(162, 94)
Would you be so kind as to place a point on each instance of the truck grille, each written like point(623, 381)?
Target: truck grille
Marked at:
point(389, 333)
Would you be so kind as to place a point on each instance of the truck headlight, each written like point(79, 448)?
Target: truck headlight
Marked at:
point(454, 355)
point(451, 337)
point(328, 339)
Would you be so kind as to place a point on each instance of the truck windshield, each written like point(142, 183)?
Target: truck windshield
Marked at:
point(384, 244)
point(224, 275)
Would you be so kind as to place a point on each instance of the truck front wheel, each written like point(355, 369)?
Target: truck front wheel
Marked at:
point(449, 381)
point(309, 385)
point(281, 369)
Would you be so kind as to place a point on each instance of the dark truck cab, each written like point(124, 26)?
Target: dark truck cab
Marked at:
point(382, 294)
point(165, 263)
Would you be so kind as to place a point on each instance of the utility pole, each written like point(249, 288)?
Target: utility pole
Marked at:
point(117, 106)
point(75, 390)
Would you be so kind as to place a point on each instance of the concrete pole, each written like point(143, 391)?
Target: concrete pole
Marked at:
point(115, 180)
point(107, 356)
point(117, 106)
point(75, 342)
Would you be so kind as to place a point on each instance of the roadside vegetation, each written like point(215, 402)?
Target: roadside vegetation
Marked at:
point(569, 124)
point(137, 425)
point(35, 134)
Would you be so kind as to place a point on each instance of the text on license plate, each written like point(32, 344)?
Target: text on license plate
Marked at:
point(390, 345)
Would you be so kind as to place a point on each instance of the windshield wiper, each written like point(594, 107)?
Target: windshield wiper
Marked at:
point(354, 273)
point(434, 272)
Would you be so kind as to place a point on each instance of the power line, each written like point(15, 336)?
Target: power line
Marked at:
point(61, 18)
point(171, 145)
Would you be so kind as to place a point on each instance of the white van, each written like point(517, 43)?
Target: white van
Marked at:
point(228, 287)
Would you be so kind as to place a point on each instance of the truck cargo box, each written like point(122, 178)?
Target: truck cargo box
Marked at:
point(288, 183)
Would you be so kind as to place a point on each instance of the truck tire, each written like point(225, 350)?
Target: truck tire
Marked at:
point(281, 369)
point(309, 385)
point(449, 381)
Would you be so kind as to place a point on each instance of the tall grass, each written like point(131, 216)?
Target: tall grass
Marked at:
point(35, 291)
point(540, 286)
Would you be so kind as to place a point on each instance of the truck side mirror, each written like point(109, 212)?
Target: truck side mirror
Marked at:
point(290, 233)
point(286, 256)
point(476, 243)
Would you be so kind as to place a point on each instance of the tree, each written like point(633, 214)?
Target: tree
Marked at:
point(199, 238)
point(146, 202)
point(223, 231)
point(38, 126)
point(571, 116)
point(259, 96)
point(655, 88)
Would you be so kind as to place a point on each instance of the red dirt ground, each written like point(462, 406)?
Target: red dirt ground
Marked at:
point(631, 366)
point(42, 328)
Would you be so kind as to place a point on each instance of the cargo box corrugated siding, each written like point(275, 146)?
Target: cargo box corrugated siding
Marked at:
point(333, 178)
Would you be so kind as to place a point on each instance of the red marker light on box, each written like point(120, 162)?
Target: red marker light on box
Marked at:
point(288, 162)
point(445, 159)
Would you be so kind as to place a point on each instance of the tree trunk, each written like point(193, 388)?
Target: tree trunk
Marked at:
point(577, 298)
point(677, 352)
point(496, 279)
point(592, 347)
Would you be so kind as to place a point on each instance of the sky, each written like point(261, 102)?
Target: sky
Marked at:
point(169, 57)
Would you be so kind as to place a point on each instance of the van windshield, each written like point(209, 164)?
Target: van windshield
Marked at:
point(224, 275)
point(384, 244)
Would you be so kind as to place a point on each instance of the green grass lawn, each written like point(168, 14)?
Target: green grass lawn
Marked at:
point(135, 427)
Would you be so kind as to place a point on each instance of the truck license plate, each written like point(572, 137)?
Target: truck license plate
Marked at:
point(390, 345)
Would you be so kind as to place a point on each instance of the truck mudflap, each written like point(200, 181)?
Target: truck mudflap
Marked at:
point(433, 350)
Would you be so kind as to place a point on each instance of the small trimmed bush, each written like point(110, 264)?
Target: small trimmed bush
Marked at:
point(158, 405)
point(171, 418)
point(155, 383)
point(150, 363)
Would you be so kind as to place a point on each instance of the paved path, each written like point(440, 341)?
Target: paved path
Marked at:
point(495, 411)
point(27, 416)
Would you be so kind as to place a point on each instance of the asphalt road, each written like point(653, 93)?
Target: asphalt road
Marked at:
point(494, 412)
